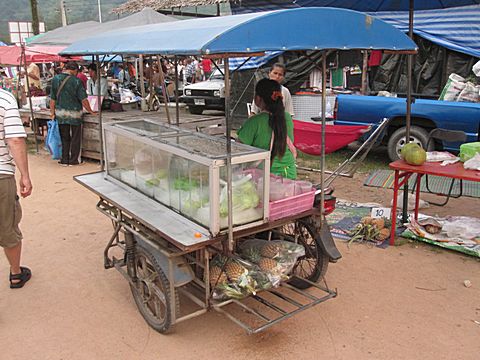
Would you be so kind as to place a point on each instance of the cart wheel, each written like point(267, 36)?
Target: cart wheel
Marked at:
point(152, 291)
point(314, 264)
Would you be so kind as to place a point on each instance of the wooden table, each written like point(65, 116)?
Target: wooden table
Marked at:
point(404, 171)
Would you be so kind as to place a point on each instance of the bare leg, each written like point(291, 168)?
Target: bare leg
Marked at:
point(13, 255)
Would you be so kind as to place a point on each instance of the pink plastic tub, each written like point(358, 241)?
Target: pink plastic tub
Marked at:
point(291, 205)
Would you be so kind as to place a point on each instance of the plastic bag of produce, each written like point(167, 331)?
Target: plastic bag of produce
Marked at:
point(468, 150)
point(453, 87)
point(244, 196)
point(469, 93)
point(235, 278)
point(275, 258)
point(476, 68)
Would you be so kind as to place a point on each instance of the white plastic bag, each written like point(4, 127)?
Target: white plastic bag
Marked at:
point(473, 163)
point(469, 93)
point(422, 204)
point(453, 88)
point(476, 68)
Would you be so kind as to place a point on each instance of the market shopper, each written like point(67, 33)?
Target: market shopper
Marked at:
point(67, 98)
point(92, 82)
point(277, 73)
point(13, 152)
point(271, 129)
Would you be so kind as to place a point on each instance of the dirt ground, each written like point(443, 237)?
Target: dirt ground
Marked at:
point(403, 302)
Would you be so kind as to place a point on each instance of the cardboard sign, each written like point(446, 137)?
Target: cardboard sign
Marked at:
point(381, 212)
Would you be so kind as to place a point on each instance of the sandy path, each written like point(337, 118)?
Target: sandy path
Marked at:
point(74, 309)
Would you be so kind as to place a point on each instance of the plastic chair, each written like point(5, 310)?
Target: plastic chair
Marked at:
point(445, 136)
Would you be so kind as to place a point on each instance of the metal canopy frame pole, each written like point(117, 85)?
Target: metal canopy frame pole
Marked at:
point(229, 153)
point(142, 83)
point(34, 123)
point(409, 107)
point(177, 112)
point(99, 102)
point(324, 102)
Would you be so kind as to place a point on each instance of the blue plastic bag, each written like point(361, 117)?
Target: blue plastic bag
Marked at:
point(53, 140)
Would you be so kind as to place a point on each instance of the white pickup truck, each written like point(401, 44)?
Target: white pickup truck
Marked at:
point(205, 95)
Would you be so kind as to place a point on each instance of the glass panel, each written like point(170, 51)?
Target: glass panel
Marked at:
point(120, 152)
point(247, 193)
point(189, 188)
point(144, 174)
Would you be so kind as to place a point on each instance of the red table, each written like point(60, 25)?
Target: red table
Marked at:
point(404, 171)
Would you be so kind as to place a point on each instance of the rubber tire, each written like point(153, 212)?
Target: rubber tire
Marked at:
point(321, 257)
point(397, 140)
point(160, 326)
point(195, 110)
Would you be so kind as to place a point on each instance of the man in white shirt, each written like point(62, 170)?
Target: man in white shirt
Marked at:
point(92, 82)
point(13, 152)
point(277, 73)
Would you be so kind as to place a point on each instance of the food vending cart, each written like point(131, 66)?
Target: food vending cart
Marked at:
point(201, 216)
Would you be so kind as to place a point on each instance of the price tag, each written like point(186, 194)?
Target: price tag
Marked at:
point(381, 212)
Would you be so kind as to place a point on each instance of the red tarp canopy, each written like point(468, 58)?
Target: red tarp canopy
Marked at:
point(11, 55)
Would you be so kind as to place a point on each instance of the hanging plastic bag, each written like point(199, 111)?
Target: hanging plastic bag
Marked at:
point(53, 140)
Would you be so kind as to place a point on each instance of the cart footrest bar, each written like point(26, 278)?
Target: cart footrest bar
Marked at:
point(256, 311)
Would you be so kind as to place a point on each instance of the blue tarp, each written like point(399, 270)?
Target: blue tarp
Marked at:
point(293, 29)
point(456, 28)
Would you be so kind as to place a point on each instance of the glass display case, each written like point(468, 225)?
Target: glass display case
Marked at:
point(187, 172)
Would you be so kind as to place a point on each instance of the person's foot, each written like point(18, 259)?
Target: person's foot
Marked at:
point(76, 163)
point(18, 280)
point(63, 163)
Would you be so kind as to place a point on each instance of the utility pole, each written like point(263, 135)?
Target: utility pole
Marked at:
point(63, 12)
point(99, 11)
point(35, 25)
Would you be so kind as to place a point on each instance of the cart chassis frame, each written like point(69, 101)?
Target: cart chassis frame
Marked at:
point(135, 231)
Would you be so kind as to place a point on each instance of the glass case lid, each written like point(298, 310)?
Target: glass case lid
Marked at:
point(148, 128)
point(206, 146)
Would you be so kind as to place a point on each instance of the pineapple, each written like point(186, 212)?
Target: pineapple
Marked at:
point(234, 271)
point(217, 276)
point(267, 264)
point(270, 250)
point(252, 254)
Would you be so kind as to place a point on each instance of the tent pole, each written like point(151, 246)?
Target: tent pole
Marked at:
point(409, 107)
point(164, 88)
point(229, 154)
point(324, 104)
point(34, 122)
point(99, 102)
point(177, 113)
point(142, 83)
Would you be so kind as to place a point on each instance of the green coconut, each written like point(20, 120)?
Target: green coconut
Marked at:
point(408, 147)
point(415, 156)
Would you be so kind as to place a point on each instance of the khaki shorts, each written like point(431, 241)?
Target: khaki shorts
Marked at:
point(10, 212)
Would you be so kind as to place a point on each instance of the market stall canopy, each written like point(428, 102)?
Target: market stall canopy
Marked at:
point(451, 25)
point(12, 55)
point(69, 34)
point(321, 28)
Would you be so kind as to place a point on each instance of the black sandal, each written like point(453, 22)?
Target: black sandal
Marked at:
point(24, 276)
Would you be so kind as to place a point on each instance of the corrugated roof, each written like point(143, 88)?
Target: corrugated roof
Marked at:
point(138, 5)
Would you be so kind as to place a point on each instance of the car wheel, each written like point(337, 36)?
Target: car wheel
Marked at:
point(196, 110)
point(398, 140)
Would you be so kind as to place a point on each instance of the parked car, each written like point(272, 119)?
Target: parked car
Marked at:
point(206, 95)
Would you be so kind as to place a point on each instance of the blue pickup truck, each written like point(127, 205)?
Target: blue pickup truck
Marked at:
point(426, 115)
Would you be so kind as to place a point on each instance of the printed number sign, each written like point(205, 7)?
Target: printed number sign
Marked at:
point(381, 212)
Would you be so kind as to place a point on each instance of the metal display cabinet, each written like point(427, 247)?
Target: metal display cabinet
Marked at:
point(186, 171)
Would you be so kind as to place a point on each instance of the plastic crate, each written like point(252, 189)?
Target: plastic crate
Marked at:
point(291, 206)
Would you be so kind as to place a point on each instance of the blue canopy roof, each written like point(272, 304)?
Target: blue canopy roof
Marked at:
point(292, 29)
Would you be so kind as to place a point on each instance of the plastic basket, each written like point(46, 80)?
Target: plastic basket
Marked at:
point(291, 206)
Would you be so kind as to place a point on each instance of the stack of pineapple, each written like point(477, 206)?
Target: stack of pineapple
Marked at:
point(262, 265)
